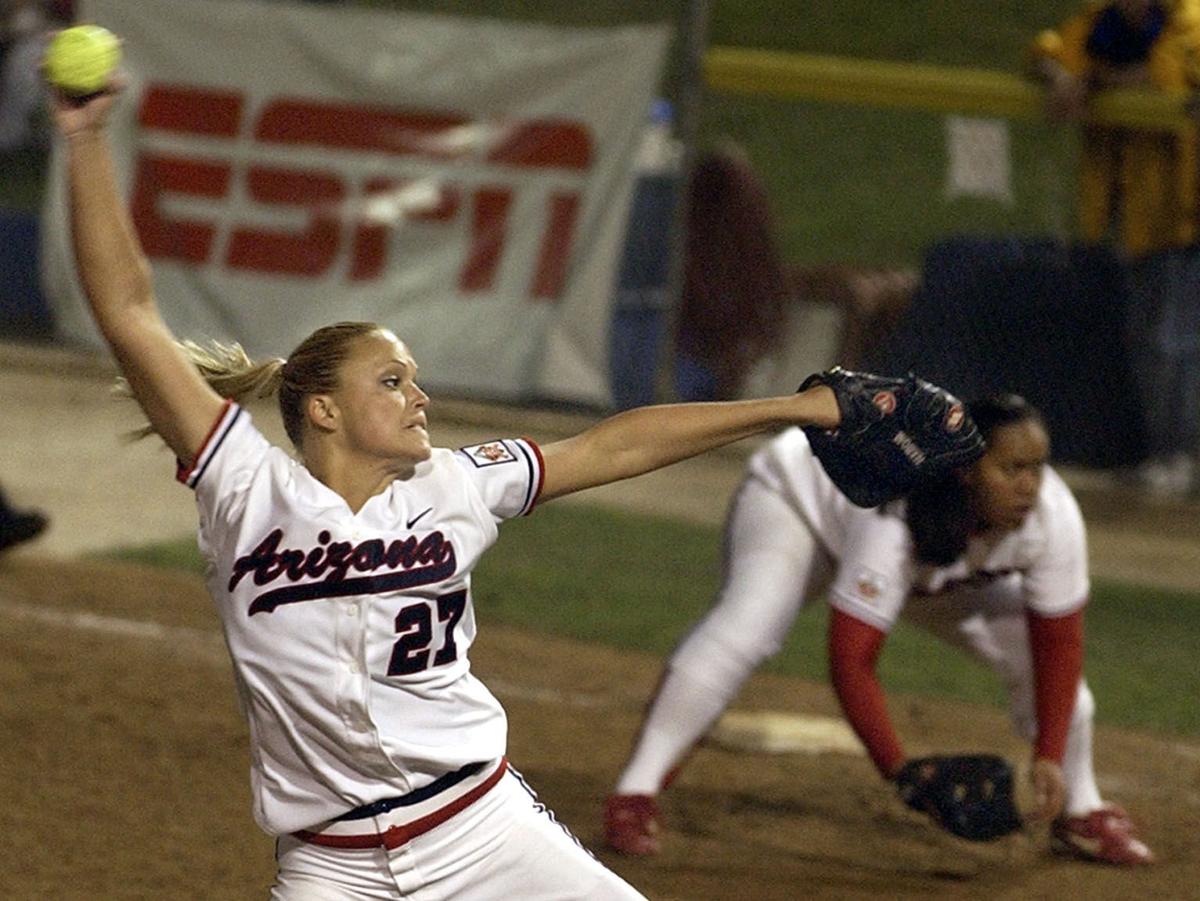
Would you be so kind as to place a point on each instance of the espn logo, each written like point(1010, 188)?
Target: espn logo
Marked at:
point(212, 182)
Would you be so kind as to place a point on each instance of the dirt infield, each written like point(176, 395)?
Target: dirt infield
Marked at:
point(124, 767)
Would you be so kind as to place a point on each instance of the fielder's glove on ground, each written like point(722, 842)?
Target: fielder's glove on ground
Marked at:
point(970, 795)
point(895, 434)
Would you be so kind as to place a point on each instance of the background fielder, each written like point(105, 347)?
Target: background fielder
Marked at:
point(993, 561)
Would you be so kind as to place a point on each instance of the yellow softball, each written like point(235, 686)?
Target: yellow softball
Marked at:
point(81, 59)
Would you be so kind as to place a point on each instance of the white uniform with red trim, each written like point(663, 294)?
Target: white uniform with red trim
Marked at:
point(792, 535)
point(349, 635)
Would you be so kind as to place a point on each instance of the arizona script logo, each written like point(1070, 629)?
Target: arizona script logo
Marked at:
point(404, 563)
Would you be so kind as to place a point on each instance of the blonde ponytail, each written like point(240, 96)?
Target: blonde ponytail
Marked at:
point(228, 370)
point(312, 368)
point(231, 373)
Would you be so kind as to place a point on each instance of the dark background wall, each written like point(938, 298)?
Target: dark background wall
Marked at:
point(1031, 316)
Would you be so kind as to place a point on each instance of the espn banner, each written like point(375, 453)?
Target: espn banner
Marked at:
point(463, 181)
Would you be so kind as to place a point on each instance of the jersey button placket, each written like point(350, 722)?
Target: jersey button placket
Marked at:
point(350, 641)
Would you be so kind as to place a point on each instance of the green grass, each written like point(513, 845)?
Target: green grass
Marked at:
point(639, 582)
point(975, 33)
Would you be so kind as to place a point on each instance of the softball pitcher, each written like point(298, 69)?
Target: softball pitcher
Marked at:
point(992, 560)
point(342, 578)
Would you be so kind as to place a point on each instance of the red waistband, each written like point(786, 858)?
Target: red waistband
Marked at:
point(395, 836)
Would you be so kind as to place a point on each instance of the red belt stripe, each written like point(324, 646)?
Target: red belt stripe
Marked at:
point(396, 836)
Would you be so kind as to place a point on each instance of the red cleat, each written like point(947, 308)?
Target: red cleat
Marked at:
point(631, 824)
point(1104, 836)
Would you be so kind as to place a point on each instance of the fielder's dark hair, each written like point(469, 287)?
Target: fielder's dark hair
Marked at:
point(940, 515)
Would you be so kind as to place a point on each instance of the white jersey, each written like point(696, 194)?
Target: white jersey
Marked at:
point(349, 631)
point(1045, 560)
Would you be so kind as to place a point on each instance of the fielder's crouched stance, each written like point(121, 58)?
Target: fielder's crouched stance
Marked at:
point(991, 559)
point(343, 577)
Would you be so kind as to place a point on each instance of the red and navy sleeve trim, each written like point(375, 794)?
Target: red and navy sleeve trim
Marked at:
point(191, 475)
point(532, 455)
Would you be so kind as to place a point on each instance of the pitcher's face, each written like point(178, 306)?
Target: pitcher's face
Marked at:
point(383, 408)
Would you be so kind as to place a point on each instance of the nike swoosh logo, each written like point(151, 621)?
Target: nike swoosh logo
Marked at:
point(412, 522)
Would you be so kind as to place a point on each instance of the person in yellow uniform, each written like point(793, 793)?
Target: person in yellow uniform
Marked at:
point(1138, 192)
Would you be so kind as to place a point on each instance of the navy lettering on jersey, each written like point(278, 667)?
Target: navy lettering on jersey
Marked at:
point(323, 571)
point(414, 624)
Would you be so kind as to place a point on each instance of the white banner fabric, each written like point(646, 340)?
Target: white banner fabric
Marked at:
point(464, 182)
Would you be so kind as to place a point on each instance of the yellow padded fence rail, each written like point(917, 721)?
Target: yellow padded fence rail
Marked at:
point(938, 89)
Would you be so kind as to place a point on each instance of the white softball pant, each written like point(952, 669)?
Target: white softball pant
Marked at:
point(773, 562)
point(504, 846)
